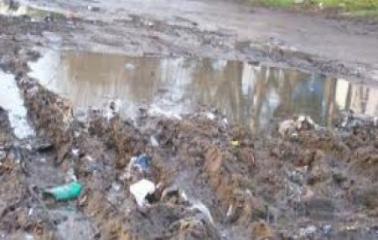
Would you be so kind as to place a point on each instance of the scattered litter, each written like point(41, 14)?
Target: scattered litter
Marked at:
point(89, 158)
point(225, 122)
point(148, 23)
point(113, 107)
point(29, 237)
point(291, 127)
point(169, 192)
point(154, 141)
point(30, 212)
point(141, 190)
point(32, 91)
point(229, 211)
point(203, 209)
point(210, 116)
point(184, 196)
point(287, 127)
point(129, 66)
point(219, 65)
point(3, 154)
point(308, 231)
point(327, 229)
point(235, 143)
point(140, 164)
point(43, 146)
point(143, 163)
point(93, 8)
point(75, 152)
point(70, 175)
point(116, 186)
point(305, 123)
point(66, 192)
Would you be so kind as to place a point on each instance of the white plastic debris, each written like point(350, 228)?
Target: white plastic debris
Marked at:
point(75, 152)
point(89, 158)
point(305, 232)
point(127, 174)
point(229, 211)
point(113, 107)
point(291, 127)
point(116, 186)
point(154, 141)
point(305, 122)
point(129, 66)
point(28, 147)
point(30, 212)
point(29, 237)
point(93, 8)
point(141, 190)
point(3, 155)
point(286, 127)
point(210, 116)
point(70, 175)
point(184, 196)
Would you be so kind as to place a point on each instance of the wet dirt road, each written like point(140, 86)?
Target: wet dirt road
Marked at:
point(182, 120)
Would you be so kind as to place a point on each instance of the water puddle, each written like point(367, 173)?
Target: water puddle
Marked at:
point(247, 94)
point(12, 101)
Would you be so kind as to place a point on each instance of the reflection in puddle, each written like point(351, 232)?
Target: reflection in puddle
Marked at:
point(13, 103)
point(247, 94)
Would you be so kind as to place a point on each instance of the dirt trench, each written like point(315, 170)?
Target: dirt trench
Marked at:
point(214, 179)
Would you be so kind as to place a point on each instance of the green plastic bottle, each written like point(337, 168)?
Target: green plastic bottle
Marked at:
point(66, 192)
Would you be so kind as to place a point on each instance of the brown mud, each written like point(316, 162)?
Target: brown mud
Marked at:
point(215, 179)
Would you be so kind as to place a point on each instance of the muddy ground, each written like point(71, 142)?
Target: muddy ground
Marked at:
point(214, 179)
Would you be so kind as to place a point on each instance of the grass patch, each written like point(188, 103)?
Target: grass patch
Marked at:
point(347, 5)
point(276, 3)
point(350, 5)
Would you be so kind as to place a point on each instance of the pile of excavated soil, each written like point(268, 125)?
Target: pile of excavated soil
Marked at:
point(212, 180)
